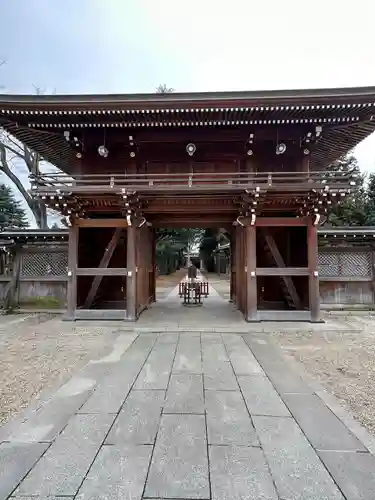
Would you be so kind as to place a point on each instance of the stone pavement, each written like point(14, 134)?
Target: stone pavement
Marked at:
point(180, 416)
point(170, 313)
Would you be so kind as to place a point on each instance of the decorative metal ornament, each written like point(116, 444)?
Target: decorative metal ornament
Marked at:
point(250, 152)
point(306, 151)
point(280, 148)
point(132, 154)
point(79, 155)
point(103, 151)
point(191, 149)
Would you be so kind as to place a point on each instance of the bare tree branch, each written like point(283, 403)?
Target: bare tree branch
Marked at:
point(8, 172)
point(12, 150)
point(16, 144)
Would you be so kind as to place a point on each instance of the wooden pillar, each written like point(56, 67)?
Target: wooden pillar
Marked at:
point(373, 272)
point(232, 265)
point(312, 259)
point(131, 278)
point(72, 272)
point(237, 288)
point(251, 280)
point(153, 263)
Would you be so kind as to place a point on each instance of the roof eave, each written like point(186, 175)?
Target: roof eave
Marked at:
point(300, 95)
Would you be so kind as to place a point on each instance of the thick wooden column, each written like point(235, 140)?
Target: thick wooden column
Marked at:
point(237, 260)
point(251, 280)
point(72, 272)
point(131, 277)
point(153, 276)
point(232, 289)
point(312, 258)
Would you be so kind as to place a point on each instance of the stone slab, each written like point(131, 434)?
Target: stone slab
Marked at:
point(286, 381)
point(111, 393)
point(156, 371)
point(322, 428)
point(295, 467)
point(353, 472)
point(42, 498)
point(117, 473)
point(166, 338)
point(138, 420)
point(214, 352)
point(240, 473)
point(241, 357)
point(64, 465)
point(185, 394)
point(261, 398)
point(120, 345)
point(284, 378)
point(179, 467)
point(188, 357)
point(211, 338)
point(189, 335)
point(16, 459)
point(47, 421)
point(114, 388)
point(228, 421)
point(244, 363)
point(266, 353)
point(219, 377)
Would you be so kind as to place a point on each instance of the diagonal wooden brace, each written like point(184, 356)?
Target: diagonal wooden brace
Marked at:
point(108, 252)
point(280, 263)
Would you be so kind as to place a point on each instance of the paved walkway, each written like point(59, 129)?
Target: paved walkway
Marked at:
point(182, 416)
point(170, 311)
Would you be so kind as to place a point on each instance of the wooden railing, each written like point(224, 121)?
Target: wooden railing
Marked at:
point(103, 183)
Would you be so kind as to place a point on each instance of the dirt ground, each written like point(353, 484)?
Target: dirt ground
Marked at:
point(37, 352)
point(343, 362)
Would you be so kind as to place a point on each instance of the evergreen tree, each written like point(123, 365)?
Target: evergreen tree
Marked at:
point(171, 244)
point(370, 202)
point(353, 210)
point(12, 215)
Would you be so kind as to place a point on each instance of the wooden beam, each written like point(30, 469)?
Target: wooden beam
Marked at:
point(72, 271)
point(281, 221)
point(251, 280)
point(101, 271)
point(282, 271)
point(102, 223)
point(312, 259)
point(107, 256)
point(131, 280)
point(280, 263)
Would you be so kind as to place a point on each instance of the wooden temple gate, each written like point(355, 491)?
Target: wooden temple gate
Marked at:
point(254, 164)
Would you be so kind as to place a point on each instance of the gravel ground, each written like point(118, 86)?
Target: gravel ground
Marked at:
point(343, 362)
point(39, 352)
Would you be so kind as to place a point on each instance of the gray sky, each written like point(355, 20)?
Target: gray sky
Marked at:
point(115, 46)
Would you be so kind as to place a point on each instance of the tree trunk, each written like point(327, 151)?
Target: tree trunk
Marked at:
point(40, 213)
